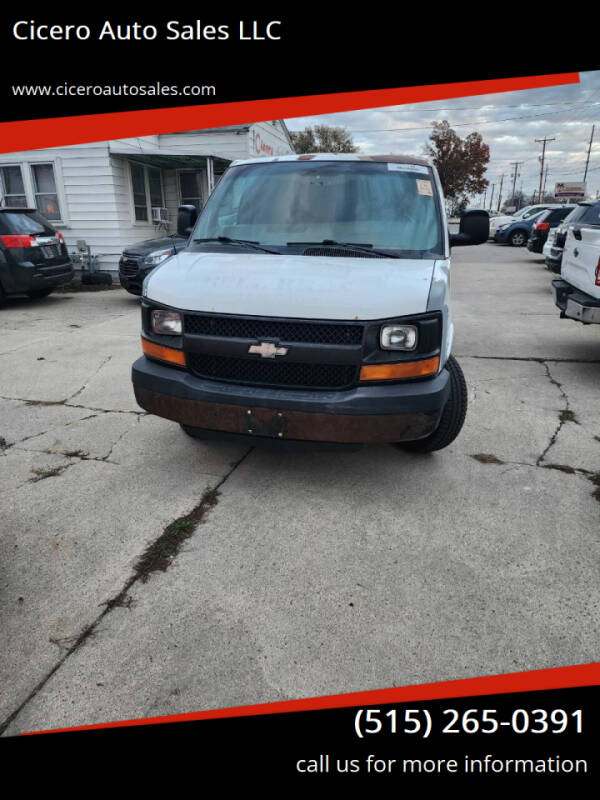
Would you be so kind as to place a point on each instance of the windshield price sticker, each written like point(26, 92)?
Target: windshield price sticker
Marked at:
point(392, 167)
point(368, 721)
point(424, 187)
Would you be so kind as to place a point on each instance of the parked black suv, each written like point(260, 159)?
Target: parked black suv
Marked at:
point(544, 225)
point(140, 258)
point(33, 257)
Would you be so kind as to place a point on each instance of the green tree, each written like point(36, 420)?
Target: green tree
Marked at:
point(461, 163)
point(323, 139)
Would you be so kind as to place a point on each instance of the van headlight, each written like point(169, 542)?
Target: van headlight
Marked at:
point(398, 337)
point(166, 322)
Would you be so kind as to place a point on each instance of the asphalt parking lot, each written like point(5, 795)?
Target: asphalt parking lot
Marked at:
point(144, 573)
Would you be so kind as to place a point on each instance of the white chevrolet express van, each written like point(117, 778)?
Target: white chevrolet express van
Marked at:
point(577, 291)
point(311, 304)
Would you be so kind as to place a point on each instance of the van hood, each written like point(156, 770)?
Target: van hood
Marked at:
point(309, 287)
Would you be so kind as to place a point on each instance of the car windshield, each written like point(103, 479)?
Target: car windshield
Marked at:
point(532, 212)
point(383, 205)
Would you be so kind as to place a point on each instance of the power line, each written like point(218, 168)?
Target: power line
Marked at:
point(476, 108)
point(455, 124)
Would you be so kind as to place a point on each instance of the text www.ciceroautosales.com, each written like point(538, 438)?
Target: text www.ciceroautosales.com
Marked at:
point(113, 90)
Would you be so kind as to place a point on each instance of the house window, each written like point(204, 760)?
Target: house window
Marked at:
point(190, 184)
point(155, 188)
point(31, 184)
point(44, 187)
point(140, 202)
point(12, 187)
point(146, 183)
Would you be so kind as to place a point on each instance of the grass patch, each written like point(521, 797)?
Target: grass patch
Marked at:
point(595, 479)
point(122, 600)
point(75, 453)
point(159, 555)
point(486, 458)
point(39, 473)
point(566, 415)
point(44, 402)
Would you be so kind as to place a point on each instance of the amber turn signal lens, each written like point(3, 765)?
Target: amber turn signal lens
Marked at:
point(408, 369)
point(163, 353)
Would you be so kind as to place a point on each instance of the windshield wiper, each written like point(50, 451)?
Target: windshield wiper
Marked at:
point(361, 248)
point(243, 242)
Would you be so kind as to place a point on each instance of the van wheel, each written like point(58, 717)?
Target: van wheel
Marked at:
point(35, 295)
point(453, 415)
point(518, 239)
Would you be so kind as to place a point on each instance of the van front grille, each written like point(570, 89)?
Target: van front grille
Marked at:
point(267, 372)
point(284, 331)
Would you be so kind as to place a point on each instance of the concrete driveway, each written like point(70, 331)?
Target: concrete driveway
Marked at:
point(145, 573)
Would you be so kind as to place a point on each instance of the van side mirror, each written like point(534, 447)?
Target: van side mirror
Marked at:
point(474, 228)
point(186, 219)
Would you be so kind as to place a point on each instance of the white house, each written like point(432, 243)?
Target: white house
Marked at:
point(112, 194)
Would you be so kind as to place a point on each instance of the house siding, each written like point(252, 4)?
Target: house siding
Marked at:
point(94, 184)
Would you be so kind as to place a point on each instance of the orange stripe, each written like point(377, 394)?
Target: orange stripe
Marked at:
point(408, 369)
point(59, 131)
point(163, 353)
point(535, 680)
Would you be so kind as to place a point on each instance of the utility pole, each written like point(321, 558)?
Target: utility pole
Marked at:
point(588, 154)
point(545, 179)
point(492, 197)
point(500, 194)
point(543, 142)
point(516, 165)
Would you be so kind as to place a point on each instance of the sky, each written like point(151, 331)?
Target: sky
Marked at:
point(509, 123)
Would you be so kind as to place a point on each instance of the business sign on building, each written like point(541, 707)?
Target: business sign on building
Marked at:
point(573, 190)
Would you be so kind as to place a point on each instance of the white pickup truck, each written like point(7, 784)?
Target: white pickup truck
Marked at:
point(311, 303)
point(577, 291)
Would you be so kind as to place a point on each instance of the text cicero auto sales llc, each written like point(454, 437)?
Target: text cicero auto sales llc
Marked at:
point(247, 30)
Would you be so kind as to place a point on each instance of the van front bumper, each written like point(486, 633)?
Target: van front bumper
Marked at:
point(387, 412)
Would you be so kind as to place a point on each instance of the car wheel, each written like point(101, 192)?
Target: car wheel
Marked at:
point(518, 238)
point(38, 293)
point(2, 297)
point(453, 415)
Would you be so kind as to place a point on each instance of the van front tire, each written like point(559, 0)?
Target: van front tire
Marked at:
point(453, 415)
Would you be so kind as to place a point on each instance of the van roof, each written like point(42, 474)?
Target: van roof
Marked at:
point(399, 159)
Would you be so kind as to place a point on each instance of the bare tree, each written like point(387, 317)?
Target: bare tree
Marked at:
point(323, 139)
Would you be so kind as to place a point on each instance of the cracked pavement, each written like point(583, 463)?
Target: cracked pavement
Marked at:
point(309, 572)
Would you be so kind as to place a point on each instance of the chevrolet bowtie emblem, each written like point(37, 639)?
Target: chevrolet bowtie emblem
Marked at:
point(267, 350)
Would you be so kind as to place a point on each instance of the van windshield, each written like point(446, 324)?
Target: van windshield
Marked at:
point(384, 205)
